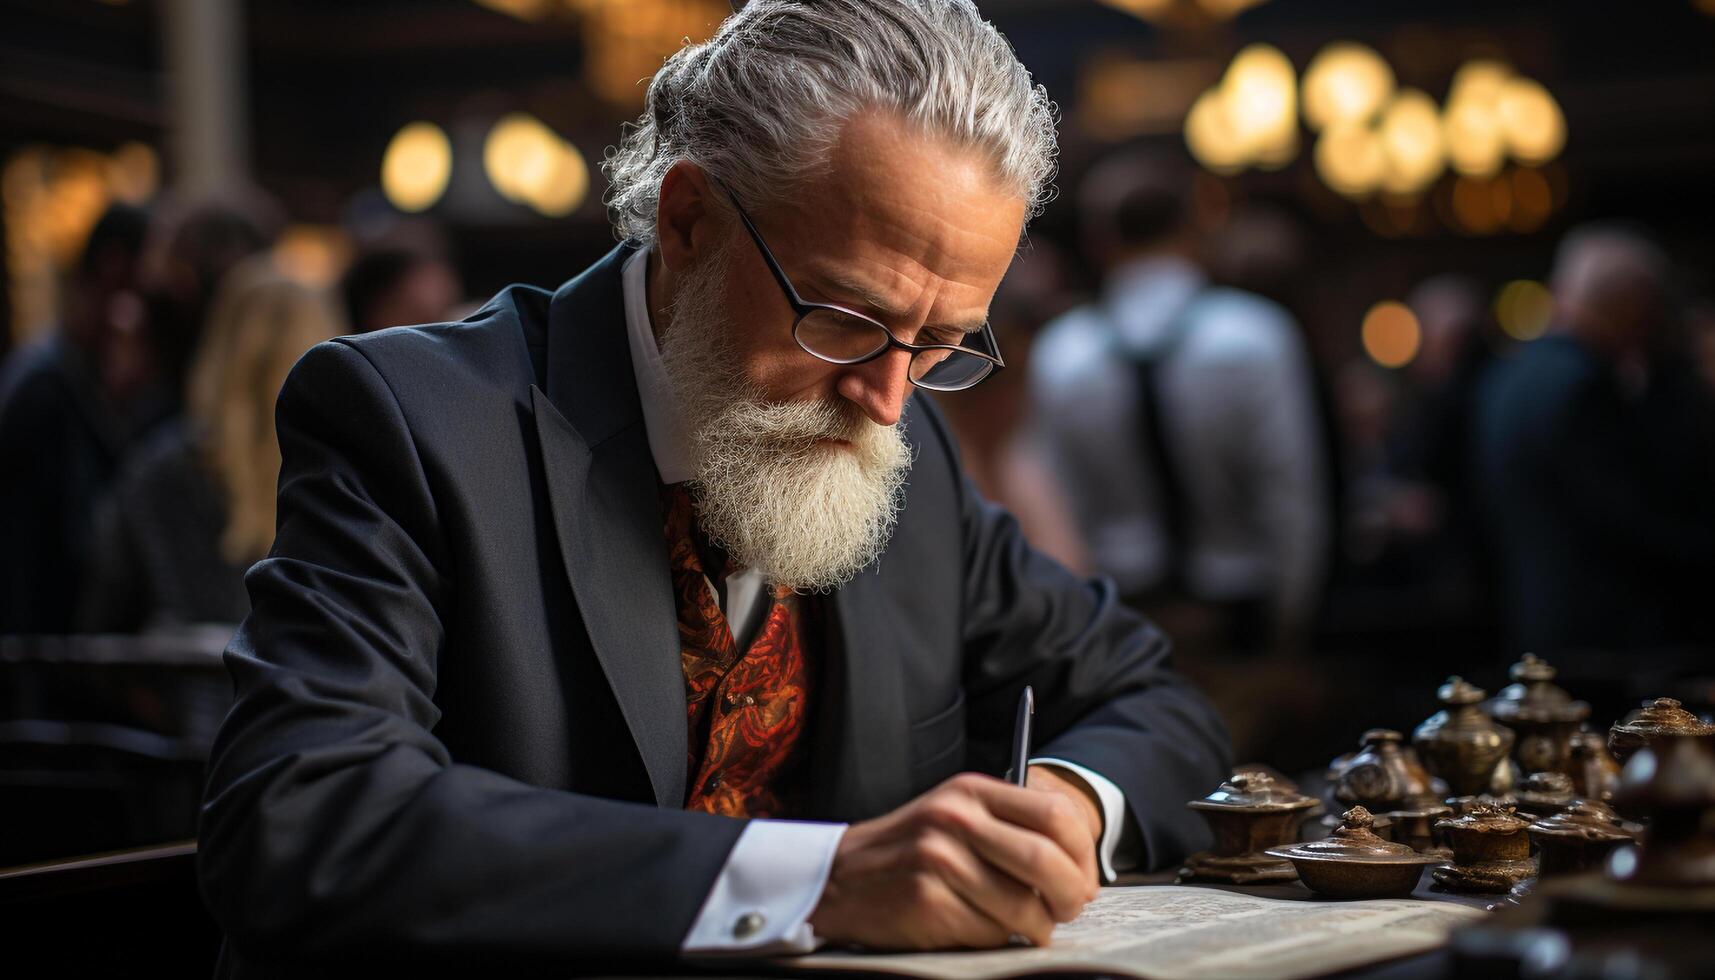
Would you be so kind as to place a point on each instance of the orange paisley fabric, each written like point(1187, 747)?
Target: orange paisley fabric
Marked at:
point(745, 713)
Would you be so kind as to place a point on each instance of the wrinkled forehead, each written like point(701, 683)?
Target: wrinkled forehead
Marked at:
point(923, 223)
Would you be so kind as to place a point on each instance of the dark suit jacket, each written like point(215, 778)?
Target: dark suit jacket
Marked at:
point(460, 722)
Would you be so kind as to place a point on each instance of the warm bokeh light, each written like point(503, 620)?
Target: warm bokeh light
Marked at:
point(1411, 137)
point(1210, 136)
point(1479, 80)
point(1391, 334)
point(1481, 206)
point(521, 9)
point(1475, 146)
point(314, 255)
point(518, 154)
point(1351, 160)
point(1261, 97)
point(52, 198)
point(134, 173)
point(1250, 118)
point(1146, 9)
point(416, 166)
point(1346, 83)
point(1533, 200)
point(564, 187)
point(625, 41)
point(1183, 12)
point(529, 164)
point(1476, 143)
point(1524, 308)
point(1530, 121)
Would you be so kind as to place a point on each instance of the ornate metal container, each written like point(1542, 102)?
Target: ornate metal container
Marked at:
point(1656, 720)
point(1578, 838)
point(1491, 852)
point(1674, 785)
point(1249, 813)
point(1385, 775)
point(1460, 743)
point(1541, 714)
point(1594, 770)
point(1355, 863)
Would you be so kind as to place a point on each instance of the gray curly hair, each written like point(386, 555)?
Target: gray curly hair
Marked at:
point(760, 105)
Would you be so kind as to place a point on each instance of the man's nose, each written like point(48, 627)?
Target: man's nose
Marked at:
point(879, 387)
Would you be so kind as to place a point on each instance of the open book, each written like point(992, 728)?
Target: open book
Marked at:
point(1172, 931)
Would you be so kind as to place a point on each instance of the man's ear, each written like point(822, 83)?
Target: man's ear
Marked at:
point(685, 223)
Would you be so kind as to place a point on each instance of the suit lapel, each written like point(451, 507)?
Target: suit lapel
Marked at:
point(602, 489)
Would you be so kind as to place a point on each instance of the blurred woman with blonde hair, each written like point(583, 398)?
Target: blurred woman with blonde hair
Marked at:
point(196, 506)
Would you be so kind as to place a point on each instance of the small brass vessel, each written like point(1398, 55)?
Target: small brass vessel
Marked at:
point(1248, 813)
point(1594, 770)
point(1491, 852)
point(1578, 838)
point(1385, 775)
point(1461, 805)
point(1544, 794)
point(1355, 863)
point(1673, 783)
point(1541, 714)
point(1655, 721)
point(1462, 745)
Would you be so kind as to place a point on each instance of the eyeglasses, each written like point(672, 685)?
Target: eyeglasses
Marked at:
point(840, 335)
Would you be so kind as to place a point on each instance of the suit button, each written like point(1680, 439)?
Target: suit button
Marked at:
point(749, 702)
point(714, 782)
point(748, 924)
point(731, 699)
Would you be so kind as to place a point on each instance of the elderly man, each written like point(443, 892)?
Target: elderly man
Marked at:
point(608, 622)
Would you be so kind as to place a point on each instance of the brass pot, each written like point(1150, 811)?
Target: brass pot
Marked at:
point(1248, 814)
point(1491, 851)
point(1354, 863)
point(1541, 714)
point(1460, 743)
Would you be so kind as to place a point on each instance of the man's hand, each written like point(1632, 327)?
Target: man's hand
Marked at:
point(969, 863)
point(1052, 780)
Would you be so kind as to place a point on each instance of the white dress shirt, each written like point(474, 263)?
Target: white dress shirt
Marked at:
point(772, 880)
point(1239, 412)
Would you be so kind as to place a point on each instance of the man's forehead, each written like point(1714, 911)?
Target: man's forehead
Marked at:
point(900, 217)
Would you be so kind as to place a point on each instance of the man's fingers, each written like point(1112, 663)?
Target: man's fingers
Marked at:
point(1046, 813)
point(952, 920)
point(1033, 859)
point(999, 897)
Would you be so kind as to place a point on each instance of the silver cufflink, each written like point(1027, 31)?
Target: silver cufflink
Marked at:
point(748, 924)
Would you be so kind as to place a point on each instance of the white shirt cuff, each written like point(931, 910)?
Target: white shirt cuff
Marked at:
point(1113, 810)
point(772, 880)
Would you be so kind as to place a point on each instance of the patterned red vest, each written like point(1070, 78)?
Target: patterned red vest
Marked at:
point(745, 710)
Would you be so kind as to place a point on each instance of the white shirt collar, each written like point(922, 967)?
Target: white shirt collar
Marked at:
point(1146, 296)
point(668, 441)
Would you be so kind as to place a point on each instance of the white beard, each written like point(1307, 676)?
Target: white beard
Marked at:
point(807, 514)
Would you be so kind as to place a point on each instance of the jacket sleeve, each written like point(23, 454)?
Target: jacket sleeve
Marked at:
point(334, 823)
point(1107, 697)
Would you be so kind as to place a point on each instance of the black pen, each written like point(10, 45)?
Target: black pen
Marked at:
point(1021, 737)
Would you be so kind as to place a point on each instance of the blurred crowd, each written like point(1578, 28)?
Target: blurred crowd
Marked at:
point(138, 458)
point(1166, 419)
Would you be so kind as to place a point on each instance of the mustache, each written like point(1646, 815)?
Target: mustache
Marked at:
point(801, 422)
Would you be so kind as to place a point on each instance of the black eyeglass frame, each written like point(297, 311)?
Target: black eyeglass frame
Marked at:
point(802, 308)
